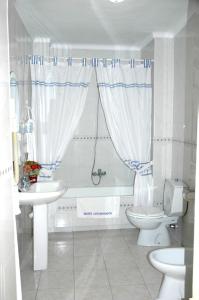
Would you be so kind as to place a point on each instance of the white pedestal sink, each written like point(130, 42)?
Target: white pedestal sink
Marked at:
point(39, 195)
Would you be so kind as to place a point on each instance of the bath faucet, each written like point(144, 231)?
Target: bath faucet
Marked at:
point(24, 183)
point(99, 173)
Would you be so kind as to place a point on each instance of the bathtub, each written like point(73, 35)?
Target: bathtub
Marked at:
point(98, 192)
point(63, 213)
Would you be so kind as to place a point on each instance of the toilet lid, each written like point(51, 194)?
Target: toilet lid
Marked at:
point(141, 212)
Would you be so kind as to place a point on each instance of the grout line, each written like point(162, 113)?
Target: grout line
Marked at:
point(38, 285)
point(145, 283)
point(147, 288)
point(74, 265)
point(110, 287)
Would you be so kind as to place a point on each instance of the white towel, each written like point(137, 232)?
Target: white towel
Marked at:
point(98, 207)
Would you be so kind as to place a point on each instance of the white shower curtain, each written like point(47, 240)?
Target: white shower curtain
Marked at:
point(59, 92)
point(126, 96)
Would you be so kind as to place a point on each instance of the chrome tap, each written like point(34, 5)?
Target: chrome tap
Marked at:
point(24, 183)
point(99, 173)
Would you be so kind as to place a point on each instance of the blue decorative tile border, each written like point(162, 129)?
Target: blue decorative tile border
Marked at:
point(170, 139)
point(63, 208)
point(83, 138)
point(155, 139)
point(162, 139)
point(184, 142)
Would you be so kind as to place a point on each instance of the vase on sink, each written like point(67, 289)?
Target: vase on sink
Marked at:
point(31, 169)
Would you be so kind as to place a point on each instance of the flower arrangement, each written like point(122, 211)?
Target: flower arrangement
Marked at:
point(31, 169)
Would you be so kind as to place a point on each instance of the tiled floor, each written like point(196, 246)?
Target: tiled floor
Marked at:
point(93, 265)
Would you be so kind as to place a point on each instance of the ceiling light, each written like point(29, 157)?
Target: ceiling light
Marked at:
point(116, 1)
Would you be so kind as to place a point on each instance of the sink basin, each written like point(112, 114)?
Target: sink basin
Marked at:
point(42, 193)
point(39, 195)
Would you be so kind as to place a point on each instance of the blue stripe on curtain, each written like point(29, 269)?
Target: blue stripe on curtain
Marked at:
point(125, 85)
point(82, 84)
point(137, 166)
point(13, 84)
point(61, 84)
point(19, 82)
point(51, 166)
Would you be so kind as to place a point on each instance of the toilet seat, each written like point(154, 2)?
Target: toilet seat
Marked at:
point(145, 212)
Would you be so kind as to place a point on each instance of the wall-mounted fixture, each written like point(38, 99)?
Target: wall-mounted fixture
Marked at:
point(99, 173)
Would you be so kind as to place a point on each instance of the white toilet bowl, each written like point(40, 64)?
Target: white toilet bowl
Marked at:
point(152, 223)
point(170, 261)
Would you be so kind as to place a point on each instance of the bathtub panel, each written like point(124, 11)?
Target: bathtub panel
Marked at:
point(62, 215)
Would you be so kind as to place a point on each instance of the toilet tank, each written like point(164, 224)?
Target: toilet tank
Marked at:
point(173, 197)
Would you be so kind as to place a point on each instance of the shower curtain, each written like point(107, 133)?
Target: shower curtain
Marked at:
point(126, 96)
point(59, 91)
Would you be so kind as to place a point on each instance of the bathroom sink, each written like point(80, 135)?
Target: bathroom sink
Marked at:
point(42, 193)
point(39, 195)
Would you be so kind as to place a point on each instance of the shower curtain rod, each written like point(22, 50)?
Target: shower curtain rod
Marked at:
point(99, 58)
point(121, 60)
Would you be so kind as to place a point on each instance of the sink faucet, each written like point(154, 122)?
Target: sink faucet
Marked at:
point(24, 183)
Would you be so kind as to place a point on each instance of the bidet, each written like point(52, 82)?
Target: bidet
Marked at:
point(170, 261)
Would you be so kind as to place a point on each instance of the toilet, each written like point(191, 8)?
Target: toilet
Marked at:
point(153, 222)
point(170, 262)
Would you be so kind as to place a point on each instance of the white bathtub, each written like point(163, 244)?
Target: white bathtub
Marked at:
point(98, 192)
point(63, 213)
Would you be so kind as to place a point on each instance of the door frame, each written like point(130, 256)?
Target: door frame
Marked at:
point(195, 288)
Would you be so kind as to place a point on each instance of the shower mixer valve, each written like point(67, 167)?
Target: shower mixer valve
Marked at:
point(99, 173)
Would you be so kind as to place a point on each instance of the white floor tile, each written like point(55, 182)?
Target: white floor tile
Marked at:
point(125, 276)
point(87, 247)
point(133, 292)
point(60, 263)
point(56, 280)
point(141, 254)
point(89, 262)
point(86, 242)
point(151, 275)
point(27, 263)
point(29, 295)
point(154, 290)
point(60, 236)
point(60, 248)
point(109, 233)
point(78, 235)
point(91, 279)
point(55, 294)
point(130, 236)
point(114, 245)
point(30, 280)
point(93, 294)
point(115, 260)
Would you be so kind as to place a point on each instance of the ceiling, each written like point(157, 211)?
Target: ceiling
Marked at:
point(100, 23)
